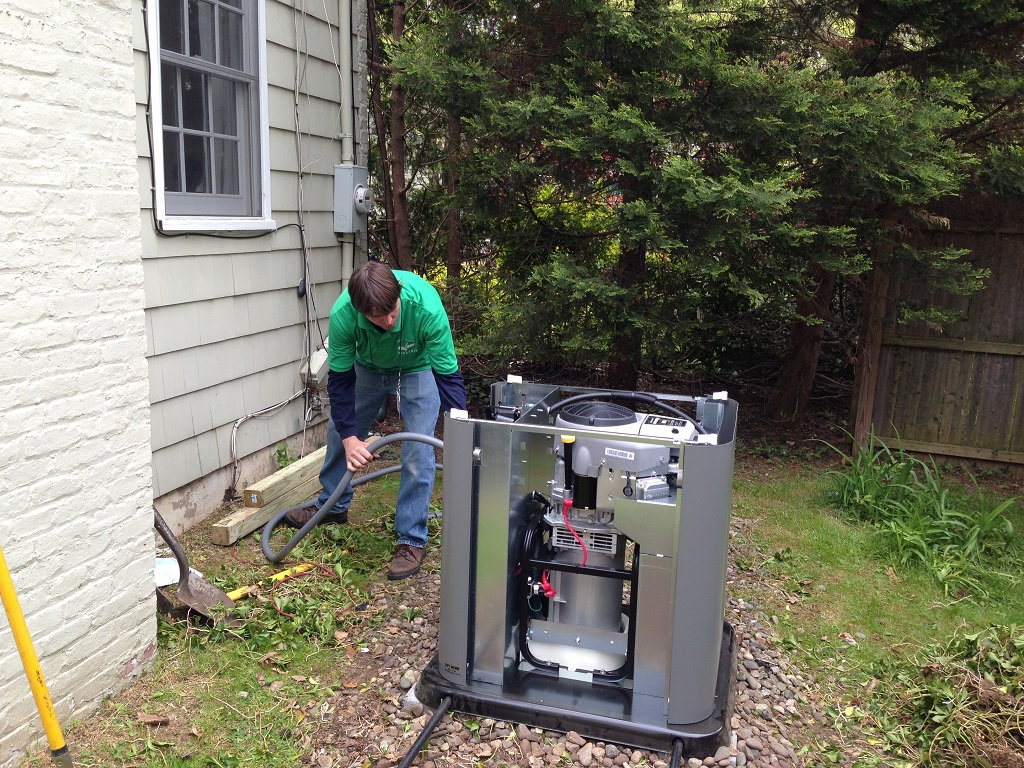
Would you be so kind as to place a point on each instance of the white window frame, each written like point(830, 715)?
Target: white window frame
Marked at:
point(263, 220)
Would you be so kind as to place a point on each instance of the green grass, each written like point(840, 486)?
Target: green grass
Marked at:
point(215, 706)
point(852, 616)
point(859, 619)
point(841, 579)
point(254, 693)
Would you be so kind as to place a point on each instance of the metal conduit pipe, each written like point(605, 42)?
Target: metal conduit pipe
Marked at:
point(346, 480)
point(347, 122)
point(346, 65)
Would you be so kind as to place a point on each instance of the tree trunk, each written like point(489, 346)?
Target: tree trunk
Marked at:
point(623, 370)
point(402, 229)
point(380, 122)
point(793, 388)
point(792, 391)
point(453, 222)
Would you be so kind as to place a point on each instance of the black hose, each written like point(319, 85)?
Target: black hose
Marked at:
point(532, 540)
point(428, 729)
point(345, 482)
point(677, 753)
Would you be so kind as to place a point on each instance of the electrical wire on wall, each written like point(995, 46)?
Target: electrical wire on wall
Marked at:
point(313, 404)
point(301, 101)
point(231, 493)
point(313, 334)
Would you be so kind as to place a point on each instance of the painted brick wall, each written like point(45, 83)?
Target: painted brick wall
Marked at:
point(76, 522)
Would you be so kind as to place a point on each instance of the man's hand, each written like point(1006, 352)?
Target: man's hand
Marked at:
point(357, 454)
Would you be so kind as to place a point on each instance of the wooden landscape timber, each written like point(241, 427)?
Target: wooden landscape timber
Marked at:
point(288, 487)
point(264, 491)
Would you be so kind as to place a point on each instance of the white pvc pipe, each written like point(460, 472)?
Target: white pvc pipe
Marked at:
point(347, 106)
point(347, 67)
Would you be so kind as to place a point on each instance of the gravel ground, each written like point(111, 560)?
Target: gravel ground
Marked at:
point(377, 718)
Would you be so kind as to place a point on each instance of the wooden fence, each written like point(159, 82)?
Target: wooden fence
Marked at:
point(957, 391)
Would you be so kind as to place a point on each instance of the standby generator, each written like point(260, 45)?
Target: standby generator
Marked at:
point(584, 547)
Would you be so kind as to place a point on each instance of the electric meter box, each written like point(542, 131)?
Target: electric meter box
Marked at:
point(313, 372)
point(352, 198)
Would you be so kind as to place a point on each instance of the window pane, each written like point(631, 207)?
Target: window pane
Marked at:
point(197, 164)
point(169, 93)
point(226, 153)
point(230, 39)
point(172, 162)
point(172, 35)
point(193, 100)
point(201, 41)
point(224, 106)
point(211, 128)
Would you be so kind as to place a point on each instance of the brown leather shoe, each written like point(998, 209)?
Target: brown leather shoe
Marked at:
point(302, 515)
point(406, 562)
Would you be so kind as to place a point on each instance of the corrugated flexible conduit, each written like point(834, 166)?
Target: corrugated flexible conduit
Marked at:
point(346, 480)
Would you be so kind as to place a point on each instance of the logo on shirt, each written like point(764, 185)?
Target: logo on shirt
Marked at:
point(405, 347)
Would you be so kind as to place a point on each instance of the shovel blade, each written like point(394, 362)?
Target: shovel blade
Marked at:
point(200, 595)
point(193, 590)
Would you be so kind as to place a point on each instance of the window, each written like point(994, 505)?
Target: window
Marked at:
point(209, 114)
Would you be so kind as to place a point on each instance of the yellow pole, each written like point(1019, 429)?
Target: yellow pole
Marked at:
point(58, 749)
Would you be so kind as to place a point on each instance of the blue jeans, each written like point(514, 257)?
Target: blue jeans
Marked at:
point(419, 405)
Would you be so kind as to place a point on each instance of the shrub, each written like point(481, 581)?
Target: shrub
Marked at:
point(919, 520)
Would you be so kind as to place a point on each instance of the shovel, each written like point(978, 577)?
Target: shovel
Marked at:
point(193, 590)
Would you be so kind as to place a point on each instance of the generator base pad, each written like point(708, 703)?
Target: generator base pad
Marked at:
point(598, 711)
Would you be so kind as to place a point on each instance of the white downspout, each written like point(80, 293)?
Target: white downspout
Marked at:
point(347, 121)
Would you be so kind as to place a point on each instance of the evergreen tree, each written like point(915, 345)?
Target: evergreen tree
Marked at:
point(627, 186)
point(962, 71)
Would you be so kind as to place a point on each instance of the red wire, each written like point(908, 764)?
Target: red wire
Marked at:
point(549, 591)
point(565, 516)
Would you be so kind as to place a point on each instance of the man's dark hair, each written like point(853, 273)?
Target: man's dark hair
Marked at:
point(374, 289)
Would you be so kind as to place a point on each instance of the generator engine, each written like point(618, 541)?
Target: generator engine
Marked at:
point(584, 543)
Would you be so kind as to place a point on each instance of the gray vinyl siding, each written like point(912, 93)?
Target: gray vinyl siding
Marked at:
point(224, 322)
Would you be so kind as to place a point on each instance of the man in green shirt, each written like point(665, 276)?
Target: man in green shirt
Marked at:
point(388, 333)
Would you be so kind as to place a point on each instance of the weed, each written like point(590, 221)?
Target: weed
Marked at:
point(957, 703)
point(281, 456)
point(410, 613)
point(919, 520)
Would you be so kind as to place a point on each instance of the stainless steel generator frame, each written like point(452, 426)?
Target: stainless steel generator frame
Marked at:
point(676, 682)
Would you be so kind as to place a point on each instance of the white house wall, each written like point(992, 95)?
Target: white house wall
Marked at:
point(133, 361)
point(76, 519)
point(225, 325)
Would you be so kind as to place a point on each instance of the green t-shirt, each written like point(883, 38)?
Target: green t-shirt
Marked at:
point(420, 341)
